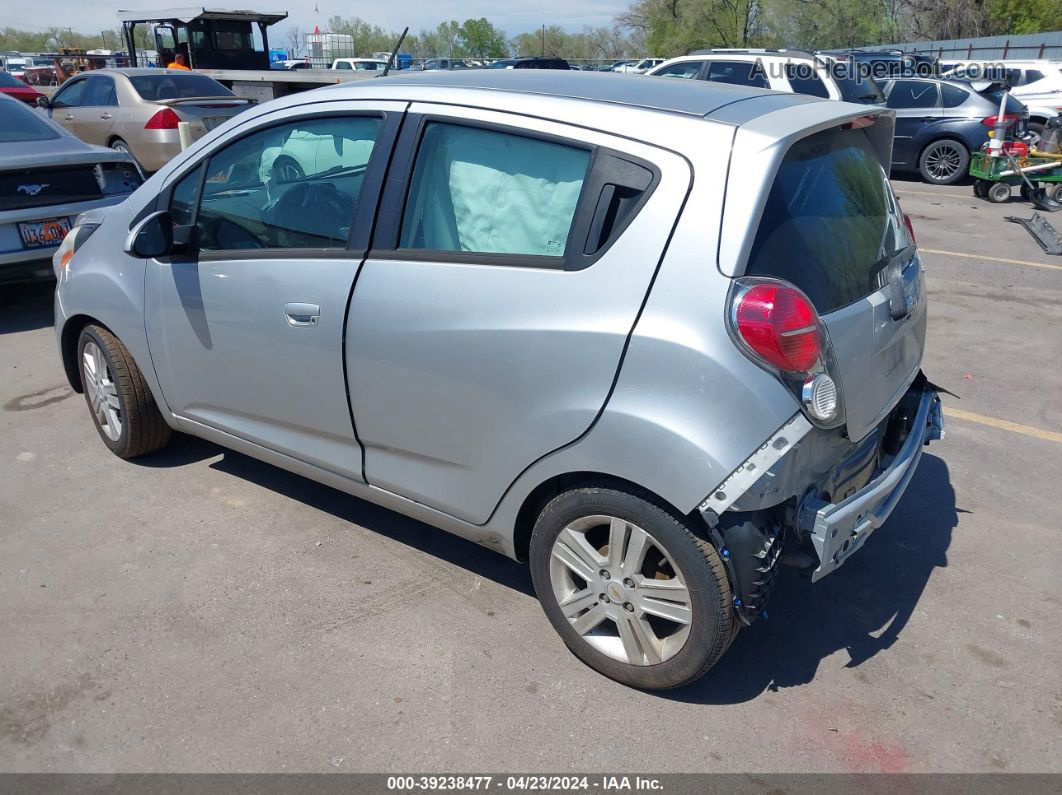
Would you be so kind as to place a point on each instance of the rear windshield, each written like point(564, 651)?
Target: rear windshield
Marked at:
point(830, 220)
point(161, 87)
point(1013, 105)
point(22, 124)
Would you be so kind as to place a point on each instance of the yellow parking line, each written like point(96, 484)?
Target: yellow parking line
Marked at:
point(991, 259)
point(1006, 425)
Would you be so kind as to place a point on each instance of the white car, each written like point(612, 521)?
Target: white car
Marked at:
point(359, 64)
point(1036, 83)
point(792, 71)
point(639, 67)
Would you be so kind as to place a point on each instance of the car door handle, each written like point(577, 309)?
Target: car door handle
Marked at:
point(302, 314)
point(68, 118)
point(105, 115)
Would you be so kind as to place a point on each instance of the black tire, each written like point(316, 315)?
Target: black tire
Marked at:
point(287, 169)
point(143, 430)
point(119, 145)
point(1054, 192)
point(944, 162)
point(713, 625)
point(980, 188)
point(999, 193)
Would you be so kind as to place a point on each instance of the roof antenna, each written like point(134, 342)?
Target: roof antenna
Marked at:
point(394, 52)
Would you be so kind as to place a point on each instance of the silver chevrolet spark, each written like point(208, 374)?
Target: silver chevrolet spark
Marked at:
point(643, 334)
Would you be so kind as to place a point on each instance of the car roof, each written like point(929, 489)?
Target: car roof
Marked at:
point(135, 72)
point(688, 97)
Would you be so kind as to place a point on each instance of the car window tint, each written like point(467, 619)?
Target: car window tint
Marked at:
point(803, 80)
point(100, 92)
point(687, 69)
point(912, 94)
point(70, 96)
point(185, 197)
point(22, 124)
point(738, 73)
point(295, 185)
point(489, 191)
point(1031, 76)
point(953, 96)
point(169, 86)
point(343, 65)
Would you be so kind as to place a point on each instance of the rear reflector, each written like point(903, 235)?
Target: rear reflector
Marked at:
point(779, 324)
point(165, 119)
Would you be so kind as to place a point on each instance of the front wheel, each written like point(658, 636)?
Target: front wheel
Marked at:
point(122, 407)
point(631, 589)
point(944, 162)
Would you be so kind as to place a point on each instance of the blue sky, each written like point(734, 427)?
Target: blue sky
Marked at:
point(512, 16)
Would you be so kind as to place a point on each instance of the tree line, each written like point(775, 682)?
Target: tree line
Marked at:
point(656, 27)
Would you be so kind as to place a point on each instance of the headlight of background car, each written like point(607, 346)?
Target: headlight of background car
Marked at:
point(117, 178)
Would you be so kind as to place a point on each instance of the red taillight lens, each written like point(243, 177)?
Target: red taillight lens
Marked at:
point(1008, 118)
point(165, 119)
point(910, 228)
point(780, 326)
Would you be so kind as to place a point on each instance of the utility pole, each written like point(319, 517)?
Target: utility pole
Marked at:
point(543, 40)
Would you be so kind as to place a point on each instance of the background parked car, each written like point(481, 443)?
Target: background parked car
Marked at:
point(359, 64)
point(883, 64)
point(938, 124)
point(639, 67)
point(435, 64)
point(292, 64)
point(17, 89)
point(792, 71)
point(530, 63)
point(137, 110)
point(1036, 84)
point(48, 177)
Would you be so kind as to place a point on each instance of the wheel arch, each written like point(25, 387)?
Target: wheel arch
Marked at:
point(68, 340)
point(545, 491)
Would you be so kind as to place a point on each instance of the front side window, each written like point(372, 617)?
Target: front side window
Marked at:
point(738, 73)
point(912, 94)
point(686, 69)
point(70, 96)
point(492, 192)
point(296, 185)
point(100, 92)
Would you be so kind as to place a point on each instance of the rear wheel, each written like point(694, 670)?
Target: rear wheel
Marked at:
point(122, 407)
point(118, 145)
point(999, 193)
point(944, 162)
point(630, 588)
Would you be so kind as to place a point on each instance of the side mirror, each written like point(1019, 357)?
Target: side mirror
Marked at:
point(152, 237)
point(43, 102)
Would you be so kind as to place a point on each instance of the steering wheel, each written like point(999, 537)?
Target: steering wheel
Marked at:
point(311, 215)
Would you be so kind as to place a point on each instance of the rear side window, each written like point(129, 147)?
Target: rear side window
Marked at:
point(953, 96)
point(166, 86)
point(492, 192)
point(803, 80)
point(1031, 76)
point(912, 94)
point(830, 220)
point(738, 73)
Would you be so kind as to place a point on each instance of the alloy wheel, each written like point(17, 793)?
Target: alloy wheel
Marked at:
point(943, 161)
point(102, 391)
point(620, 590)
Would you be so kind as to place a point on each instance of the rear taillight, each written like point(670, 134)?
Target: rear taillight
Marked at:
point(779, 325)
point(910, 227)
point(165, 119)
point(1008, 118)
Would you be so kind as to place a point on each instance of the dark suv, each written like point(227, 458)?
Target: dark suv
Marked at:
point(530, 63)
point(939, 122)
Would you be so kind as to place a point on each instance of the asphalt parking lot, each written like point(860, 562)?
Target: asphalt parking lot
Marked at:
point(201, 611)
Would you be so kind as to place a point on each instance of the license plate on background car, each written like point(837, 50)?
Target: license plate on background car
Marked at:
point(45, 233)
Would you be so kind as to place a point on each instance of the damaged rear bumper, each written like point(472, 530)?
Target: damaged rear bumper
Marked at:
point(839, 530)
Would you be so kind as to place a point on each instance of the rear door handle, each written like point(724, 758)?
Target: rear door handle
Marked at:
point(105, 115)
point(302, 314)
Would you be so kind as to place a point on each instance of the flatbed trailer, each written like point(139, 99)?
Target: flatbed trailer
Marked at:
point(219, 43)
